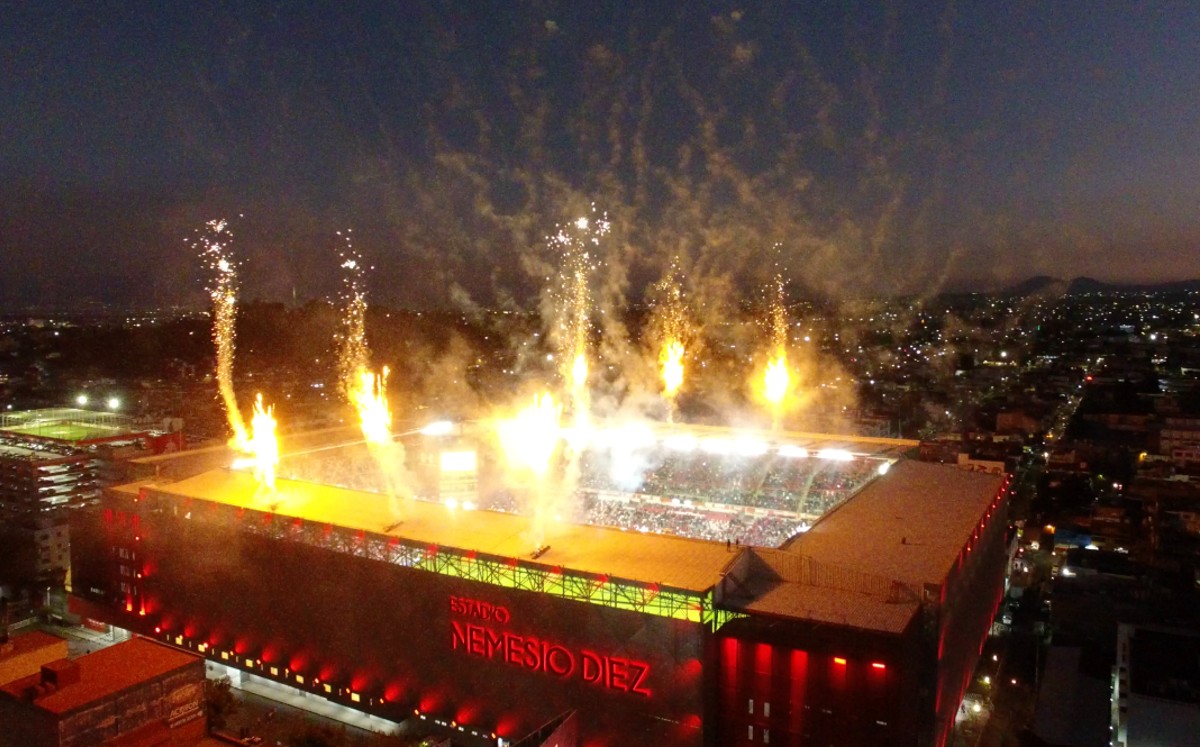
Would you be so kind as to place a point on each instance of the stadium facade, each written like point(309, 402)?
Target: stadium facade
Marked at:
point(863, 630)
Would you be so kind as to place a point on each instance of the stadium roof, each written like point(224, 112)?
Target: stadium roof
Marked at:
point(864, 562)
point(106, 672)
point(908, 526)
point(685, 564)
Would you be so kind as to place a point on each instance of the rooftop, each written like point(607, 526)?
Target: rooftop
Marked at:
point(686, 564)
point(24, 654)
point(1165, 663)
point(908, 526)
point(864, 563)
point(106, 672)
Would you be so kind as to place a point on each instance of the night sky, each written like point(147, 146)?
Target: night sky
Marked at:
point(859, 148)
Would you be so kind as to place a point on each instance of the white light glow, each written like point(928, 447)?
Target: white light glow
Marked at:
point(835, 455)
point(681, 442)
point(438, 428)
point(458, 461)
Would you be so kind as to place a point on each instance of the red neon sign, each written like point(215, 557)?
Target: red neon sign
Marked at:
point(538, 654)
point(481, 610)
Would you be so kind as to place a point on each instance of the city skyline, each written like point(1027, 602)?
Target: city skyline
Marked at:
point(857, 151)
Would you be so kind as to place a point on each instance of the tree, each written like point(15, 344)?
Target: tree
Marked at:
point(219, 702)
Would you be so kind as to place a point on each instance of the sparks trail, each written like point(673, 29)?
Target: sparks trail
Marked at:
point(353, 353)
point(216, 252)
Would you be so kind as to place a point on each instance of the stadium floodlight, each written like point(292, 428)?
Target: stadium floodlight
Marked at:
point(438, 428)
point(81, 400)
point(114, 403)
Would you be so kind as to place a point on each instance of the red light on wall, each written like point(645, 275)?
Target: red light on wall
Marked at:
point(878, 665)
point(158, 629)
point(839, 661)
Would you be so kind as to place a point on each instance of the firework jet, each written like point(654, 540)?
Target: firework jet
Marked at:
point(777, 380)
point(530, 440)
point(577, 247)
point(365, 390)
point(215, 251)
point(260, 442)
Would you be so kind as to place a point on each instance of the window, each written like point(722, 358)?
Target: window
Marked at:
point(750, 706)
point(750, 732)
point(767, 709)
point(766, 736)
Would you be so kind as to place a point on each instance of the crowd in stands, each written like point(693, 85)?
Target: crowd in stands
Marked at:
point(689, 521)
point(807, 486)
point(760, 500)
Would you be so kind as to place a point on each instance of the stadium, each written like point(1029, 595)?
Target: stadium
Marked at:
point(691, 586)
point(68, 425)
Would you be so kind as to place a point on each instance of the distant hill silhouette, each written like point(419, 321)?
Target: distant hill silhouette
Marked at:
point(1046, 285)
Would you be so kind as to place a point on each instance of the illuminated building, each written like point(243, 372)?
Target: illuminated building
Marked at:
point(52, 461)
point(863, 630)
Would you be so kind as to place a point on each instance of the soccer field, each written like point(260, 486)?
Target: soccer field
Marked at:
point(65, 431)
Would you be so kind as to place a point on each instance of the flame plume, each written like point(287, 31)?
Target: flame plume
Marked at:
point(264, 446)
point(369, 397)
point(671, 359)
point(777, 379)
point(670, 326)
point(530, 441)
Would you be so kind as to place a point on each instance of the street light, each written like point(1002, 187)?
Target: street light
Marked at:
point(81, 400)
point(113, 403)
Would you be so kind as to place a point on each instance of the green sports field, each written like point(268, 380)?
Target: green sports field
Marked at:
point(65, 431)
